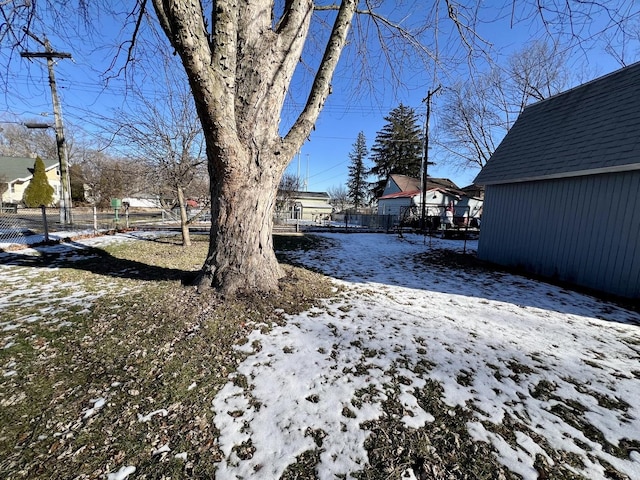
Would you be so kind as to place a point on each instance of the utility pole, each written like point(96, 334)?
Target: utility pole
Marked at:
point(65, 183)
point(306, 180)
point(425, 159)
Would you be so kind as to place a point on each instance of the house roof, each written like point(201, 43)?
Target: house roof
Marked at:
point(431, 187)
point(473, 190)
point(590, 129)
point(309, 195)
point(441, 183)
point(407, 184)
point(407, 194)
point(17, 168)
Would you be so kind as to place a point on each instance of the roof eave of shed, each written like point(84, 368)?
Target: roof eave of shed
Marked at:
point(558, 175)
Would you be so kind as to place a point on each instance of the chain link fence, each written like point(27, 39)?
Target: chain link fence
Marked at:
point(447, 221)
point(19, 226)
point(34, 225)
point(29, 225)
point(441, 219)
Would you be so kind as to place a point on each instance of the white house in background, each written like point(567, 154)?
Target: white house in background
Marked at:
point(143, 201)
point(16, 173)
point(403, 193)
point(306, 206)
point(472, 203)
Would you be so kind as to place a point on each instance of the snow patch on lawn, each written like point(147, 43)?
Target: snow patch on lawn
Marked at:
point(498, 345)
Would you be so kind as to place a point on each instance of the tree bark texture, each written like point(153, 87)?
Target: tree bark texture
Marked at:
point(184, 219)
point(240, 63)
point(241, 251)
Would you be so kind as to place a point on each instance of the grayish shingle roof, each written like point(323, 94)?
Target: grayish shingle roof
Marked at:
point(590, 129)
point(410, 184)
point(13, 168)
point(319, 195)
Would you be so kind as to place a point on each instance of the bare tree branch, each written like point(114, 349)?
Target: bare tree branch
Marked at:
point(322, 83)
point(478, 113)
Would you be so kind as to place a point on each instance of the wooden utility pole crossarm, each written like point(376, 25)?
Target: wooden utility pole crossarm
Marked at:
point(49, 54)
point(45, 55)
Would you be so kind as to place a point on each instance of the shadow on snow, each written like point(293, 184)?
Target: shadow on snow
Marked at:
point(441, 267)
point(72, 254)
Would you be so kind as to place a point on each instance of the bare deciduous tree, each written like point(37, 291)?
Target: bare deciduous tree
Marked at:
point(105, 177)
point(289, 186)
point(168, 137)
point(339, 197)
point(19, 141)
point(239, 70)
point(479, 112)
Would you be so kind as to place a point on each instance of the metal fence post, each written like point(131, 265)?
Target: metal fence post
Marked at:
point(44, 223)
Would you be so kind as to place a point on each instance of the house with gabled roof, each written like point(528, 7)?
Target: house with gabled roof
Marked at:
point(16, 173)
point(562, 188)
point(305, 206)
point(403, 192)
point(402, 197)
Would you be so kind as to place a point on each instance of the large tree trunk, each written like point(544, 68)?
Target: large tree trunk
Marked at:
point(241, 254)
point(239, 72)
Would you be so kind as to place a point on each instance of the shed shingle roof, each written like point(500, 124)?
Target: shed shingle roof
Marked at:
point(590, 129)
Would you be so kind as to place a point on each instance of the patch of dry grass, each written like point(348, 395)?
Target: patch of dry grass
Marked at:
point(81, 401)
point(111, 385)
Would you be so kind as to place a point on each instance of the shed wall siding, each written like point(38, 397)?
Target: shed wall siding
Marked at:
point(585, 230)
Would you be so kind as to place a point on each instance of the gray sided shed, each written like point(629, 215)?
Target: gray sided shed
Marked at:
point(562, 194)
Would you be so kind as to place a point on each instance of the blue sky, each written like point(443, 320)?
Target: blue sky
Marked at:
point(324, 159)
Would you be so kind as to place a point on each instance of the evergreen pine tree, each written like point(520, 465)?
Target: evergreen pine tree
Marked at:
point(397, 148)
point(38, 192)
point(357, 185)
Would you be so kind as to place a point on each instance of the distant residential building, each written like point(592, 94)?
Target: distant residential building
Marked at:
point(143, 200)
point(403, 194)
point(16, 172)
point(306, 206)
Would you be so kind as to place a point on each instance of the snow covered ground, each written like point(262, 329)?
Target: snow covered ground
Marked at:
point(491, 340)
point(500, 346)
